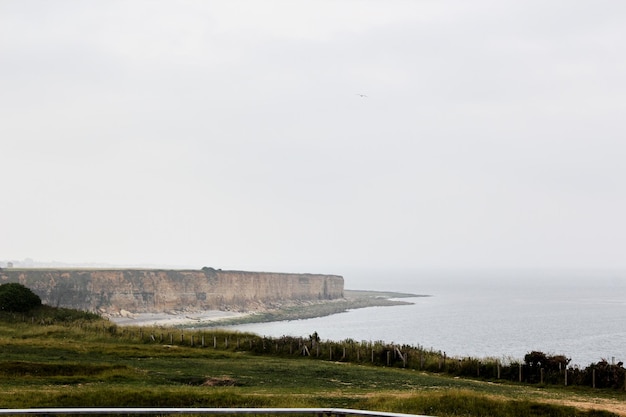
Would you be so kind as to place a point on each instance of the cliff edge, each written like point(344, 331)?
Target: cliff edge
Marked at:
point(112, 291)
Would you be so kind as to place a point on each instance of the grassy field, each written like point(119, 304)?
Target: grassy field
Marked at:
point(81, 361)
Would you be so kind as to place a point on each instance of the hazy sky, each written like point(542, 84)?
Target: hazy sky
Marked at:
point(232, 133)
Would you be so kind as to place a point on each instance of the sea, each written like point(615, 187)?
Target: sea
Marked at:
point(501, 314)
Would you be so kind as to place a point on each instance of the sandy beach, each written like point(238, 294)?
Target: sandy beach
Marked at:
point(174, 319)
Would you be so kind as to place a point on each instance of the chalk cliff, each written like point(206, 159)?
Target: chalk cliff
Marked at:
point(151, 290)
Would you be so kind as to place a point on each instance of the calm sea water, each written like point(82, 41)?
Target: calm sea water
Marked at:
point(502, 314)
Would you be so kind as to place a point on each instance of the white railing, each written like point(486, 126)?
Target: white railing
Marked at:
point(320, 412)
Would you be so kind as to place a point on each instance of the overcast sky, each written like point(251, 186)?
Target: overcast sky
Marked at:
point(233, 134)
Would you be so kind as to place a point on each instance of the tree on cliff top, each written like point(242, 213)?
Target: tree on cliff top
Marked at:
point(15, 297)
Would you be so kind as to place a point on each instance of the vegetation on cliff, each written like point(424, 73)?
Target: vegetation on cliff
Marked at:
point(17, 298)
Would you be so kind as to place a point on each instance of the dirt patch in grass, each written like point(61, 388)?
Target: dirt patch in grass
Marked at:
point(613, 406)
point(219, 381)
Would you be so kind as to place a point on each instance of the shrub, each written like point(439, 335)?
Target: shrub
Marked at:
point(15, 297)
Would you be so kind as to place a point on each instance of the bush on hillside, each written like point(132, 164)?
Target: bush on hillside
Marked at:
point(17, 298)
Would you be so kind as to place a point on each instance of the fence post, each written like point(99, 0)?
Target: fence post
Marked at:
point(403, 357)
point(593, 378)
point(565, 376)
point(541, 370)
point(520, 372)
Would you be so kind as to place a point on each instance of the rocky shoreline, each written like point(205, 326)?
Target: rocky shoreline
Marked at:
point(296, 310)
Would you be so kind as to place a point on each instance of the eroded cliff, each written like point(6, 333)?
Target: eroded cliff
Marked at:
point(150, 290)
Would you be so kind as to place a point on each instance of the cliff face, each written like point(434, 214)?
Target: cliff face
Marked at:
point(149, 291)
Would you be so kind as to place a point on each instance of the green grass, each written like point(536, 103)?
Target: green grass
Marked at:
point(87, 362)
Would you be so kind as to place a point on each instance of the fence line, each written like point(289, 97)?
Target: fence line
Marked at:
point(534, 371)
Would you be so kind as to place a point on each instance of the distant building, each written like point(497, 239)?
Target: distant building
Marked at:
point(9, 264)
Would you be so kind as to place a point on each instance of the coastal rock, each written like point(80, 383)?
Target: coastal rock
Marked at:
point(151, 290)
point(126, 314)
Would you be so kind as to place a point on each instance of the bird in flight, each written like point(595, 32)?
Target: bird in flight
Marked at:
point(361, 95)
